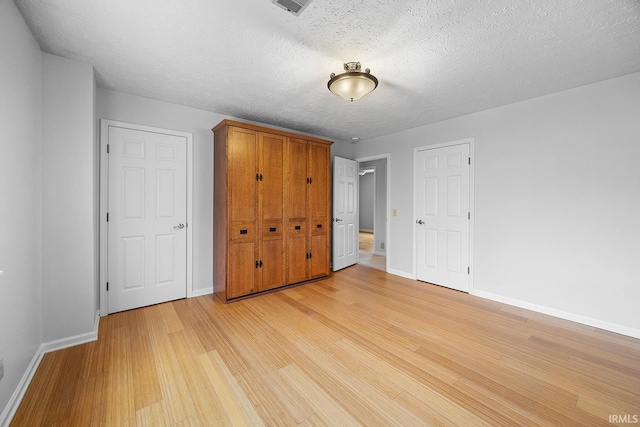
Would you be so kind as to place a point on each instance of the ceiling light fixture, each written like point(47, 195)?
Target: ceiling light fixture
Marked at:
point(352, 84)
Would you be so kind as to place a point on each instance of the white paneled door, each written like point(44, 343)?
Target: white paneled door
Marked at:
point(442, 215)
point(345, 213)
point(147, 218)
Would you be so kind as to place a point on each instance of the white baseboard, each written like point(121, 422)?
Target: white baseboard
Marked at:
point(607, 326)
point(18, 394)
point(612, 327)
point(379, 253)
point(401, 274)
point(74, 340)
point(201, 292)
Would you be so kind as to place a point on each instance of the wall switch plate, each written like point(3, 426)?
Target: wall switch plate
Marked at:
point(381, 245)
point(395, 212)
point(1, 369)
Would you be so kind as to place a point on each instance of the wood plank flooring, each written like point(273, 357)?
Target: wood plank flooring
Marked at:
point(366, 255)
point(365, 241)
point(360, 348)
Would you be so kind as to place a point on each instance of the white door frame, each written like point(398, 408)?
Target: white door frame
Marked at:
point(471, 142)
point(104, 192)
point(387, 238)
point(374, 201)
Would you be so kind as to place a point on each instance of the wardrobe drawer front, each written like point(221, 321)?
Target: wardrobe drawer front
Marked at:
point(272, 229)
point(297, 228)
point(319, 226)
point(242, 231)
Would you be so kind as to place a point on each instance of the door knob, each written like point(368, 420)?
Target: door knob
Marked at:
point(337, 219)
point(178, 227)
point(420, 222)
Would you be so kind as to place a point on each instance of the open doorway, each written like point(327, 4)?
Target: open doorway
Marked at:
point(373, 212)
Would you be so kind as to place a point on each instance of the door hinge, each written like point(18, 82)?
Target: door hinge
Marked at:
point(468, 215)
point(107, 286)
point(469, 160)
point(107, 216)
point(468, 270)
point(108, 146)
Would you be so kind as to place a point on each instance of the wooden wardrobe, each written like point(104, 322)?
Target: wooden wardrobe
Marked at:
point(272, 204)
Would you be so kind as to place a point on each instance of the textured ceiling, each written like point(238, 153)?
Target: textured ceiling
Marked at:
point(434, 59)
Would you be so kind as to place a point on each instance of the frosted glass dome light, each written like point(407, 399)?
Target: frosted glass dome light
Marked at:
point(353, 84)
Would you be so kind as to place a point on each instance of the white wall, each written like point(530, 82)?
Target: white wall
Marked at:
point(557, 200)
point(68, 205)
point(20, 231)
point(134, 109)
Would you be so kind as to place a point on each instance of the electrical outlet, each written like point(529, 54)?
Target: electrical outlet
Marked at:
point(1, 369)
point(395, 212)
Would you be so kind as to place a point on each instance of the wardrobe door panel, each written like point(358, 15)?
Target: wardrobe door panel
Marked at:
point(319, 256)
point(297, 259)
point(242, 270)
point(242, 169)
point(271, 176)
point(319, 169)
point(272, 267)
point(298, 179)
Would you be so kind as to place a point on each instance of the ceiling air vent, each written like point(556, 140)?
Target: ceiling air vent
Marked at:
point(294, 6)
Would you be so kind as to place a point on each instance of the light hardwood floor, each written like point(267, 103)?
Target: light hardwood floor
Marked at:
point(360, 348)
point(365, 241)
point(366, 255)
